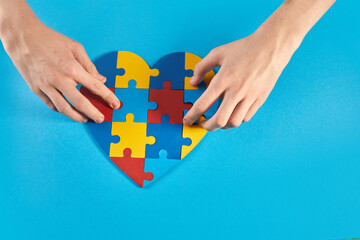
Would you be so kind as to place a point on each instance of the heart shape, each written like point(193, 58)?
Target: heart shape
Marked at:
point(145, 137)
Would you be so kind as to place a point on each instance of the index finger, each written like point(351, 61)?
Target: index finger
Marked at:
point(205, 101)
point(97, 87)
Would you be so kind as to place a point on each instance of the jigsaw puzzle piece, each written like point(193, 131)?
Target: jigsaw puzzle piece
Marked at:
point(135, 68)
point(101, 133)
point(107, 66)
point(190, 96)
point(133, 167)
point(135, 101)
point(195, 133)
point(158, 166)
point(171, 68)
point(99, 103)
point(170, 102)
point(190, 62)
point(168, 137)
point(132, 135)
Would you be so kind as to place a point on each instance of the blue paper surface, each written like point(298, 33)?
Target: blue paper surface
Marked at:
point(292, 172)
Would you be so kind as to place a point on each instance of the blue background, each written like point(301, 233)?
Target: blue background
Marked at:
point(292, 172)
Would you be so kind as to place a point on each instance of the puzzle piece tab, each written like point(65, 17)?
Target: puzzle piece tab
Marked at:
point(168, 137)
point(132, 135)
point(135, 68)
point(170, 102)
point(102, 134)
point(158, 166)
point(190, 62)
point(133, 167)
point(107, 66)
point(195, 133)
point(135, 101)
point(171, 68)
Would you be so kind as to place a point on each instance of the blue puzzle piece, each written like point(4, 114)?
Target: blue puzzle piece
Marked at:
point(191, 95)
point(158, 166)
point(171, 68)
point(135, 101)
point(107, 66)
point(168, 137)
point(102, 134)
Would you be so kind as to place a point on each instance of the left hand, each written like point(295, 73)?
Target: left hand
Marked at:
point(249, 70)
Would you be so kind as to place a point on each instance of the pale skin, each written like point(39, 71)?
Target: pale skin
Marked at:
point(53, 64)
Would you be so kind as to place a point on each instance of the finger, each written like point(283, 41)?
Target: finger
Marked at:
point(96, 87)
point(46, 100)
point(82, 57)
point(253, 109)
point(205, 101)
point(82, 104)
point(64, 106)
point(204, 66)
point(238, 114)
point(221, 117)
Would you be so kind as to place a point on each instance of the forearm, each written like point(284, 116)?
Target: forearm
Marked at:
point(14, 16)
point(289, 24)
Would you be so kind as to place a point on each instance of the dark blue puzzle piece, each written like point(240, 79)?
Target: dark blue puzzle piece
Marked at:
point(168, 137)
point(191, 95)
point(171, 68)
point(135, 101)
point(102, 134)
point(107, 66)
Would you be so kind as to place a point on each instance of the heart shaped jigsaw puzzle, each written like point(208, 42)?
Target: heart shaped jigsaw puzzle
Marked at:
point(145, 137)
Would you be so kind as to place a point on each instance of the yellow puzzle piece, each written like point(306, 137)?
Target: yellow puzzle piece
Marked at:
point(195, 133)
point(135, 69)
point(132, 135)
point(190, 62)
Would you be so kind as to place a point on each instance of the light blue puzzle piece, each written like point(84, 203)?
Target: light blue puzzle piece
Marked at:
point(191, 95)
point(158, 166)
point(134, 100)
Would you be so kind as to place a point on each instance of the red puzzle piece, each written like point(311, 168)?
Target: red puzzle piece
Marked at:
point(99, 103)
point(170, 102)
point(133, 167)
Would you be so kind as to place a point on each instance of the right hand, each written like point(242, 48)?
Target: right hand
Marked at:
point(53, 65)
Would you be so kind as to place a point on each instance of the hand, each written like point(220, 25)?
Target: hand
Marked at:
point(249, 70)
point(53, 65)
point(251, 66)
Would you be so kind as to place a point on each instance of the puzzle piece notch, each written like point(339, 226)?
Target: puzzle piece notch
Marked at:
point(170, 140)
point(171, 68)
point(135, 68)
point(190, 96)
point(132, 135)
point(99, 103)
point(195, 133)
point(133, 167)
point(190, 62)
point(170, 102)
point(159, 166)
point(107, 66)
point(135, 101)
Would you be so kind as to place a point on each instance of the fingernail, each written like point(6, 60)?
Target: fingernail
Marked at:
point(84, 120)
point(100, 119)
point(192, 80)
point(115, 104)
point(186, 123)
point(103, 78)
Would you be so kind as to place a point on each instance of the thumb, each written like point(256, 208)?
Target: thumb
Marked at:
point(208, 63)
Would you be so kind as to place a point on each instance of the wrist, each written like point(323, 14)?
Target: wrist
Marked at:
point(15, 17)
